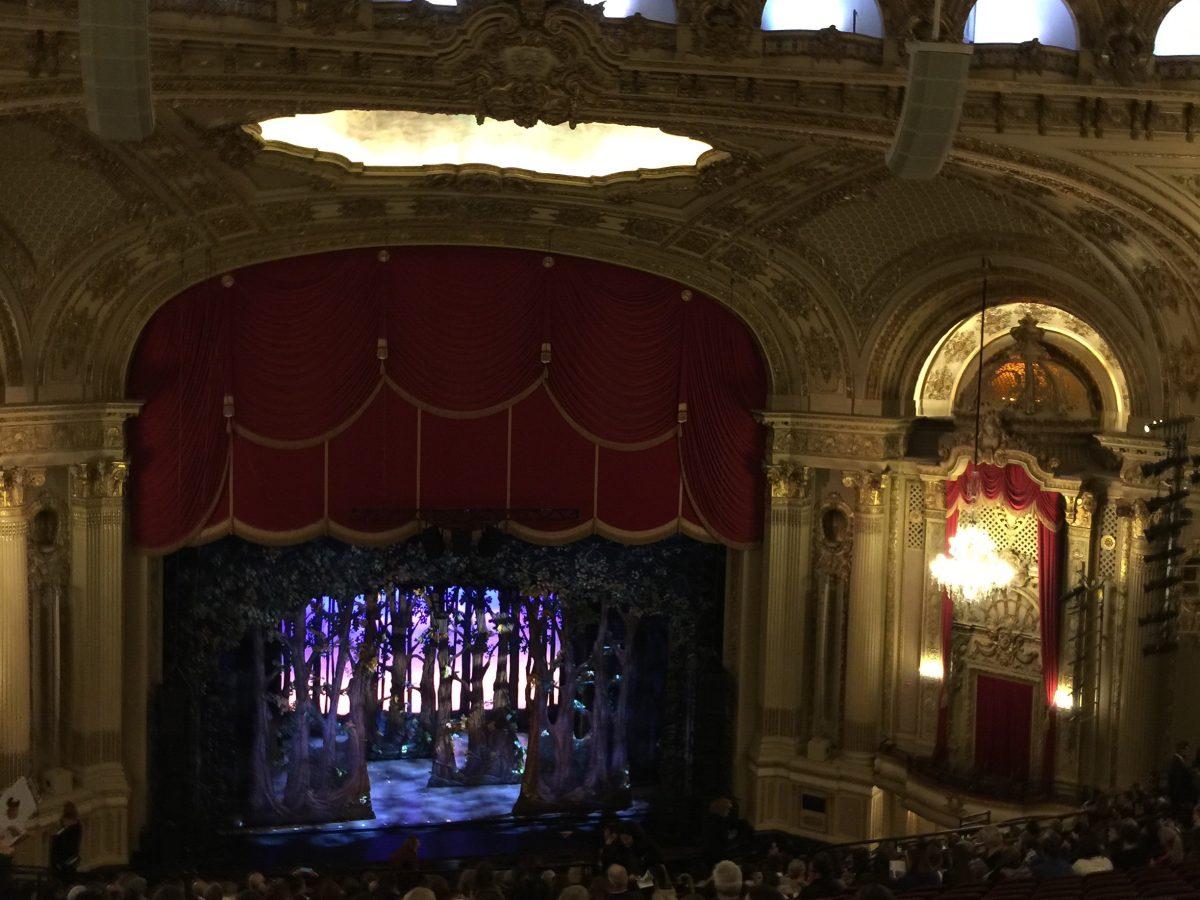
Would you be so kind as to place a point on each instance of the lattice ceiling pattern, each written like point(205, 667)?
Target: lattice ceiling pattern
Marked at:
point(47, 196)
point(860, 237)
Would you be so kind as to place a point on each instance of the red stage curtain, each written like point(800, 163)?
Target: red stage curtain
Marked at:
point(1003, 725)
point(365, 388)
point(1014, 487)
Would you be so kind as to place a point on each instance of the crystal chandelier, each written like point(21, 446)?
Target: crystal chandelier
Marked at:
point(973, 571)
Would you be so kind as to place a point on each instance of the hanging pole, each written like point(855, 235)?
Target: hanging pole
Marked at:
point(937, 21)
point(983, 298)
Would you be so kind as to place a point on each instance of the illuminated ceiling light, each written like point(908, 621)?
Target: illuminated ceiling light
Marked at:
point(403, 139)
point(972, 571)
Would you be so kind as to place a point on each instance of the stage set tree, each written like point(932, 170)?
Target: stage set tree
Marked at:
point(358, 653)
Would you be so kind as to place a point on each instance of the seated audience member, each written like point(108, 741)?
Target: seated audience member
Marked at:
point(663, 888)
point(727, 880)
point(963, 869)
point(618, 881)
point(1170, 844)
point(1048, 860)
point(875, 892)
point(991, 845)
point(824, 881)
point(574, 892)
point(614, 850)
point(1129, 851)
point(922, 869)
point(1090, 858)
point(795, 879)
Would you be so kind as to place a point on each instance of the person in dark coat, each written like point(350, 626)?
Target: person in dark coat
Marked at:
point(65, 843)
point(1181, 783)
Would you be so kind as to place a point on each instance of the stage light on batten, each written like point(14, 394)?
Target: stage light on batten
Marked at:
point(931, 668)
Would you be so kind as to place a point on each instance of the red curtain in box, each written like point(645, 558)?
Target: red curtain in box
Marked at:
point(1003, 726)
point(348, 393)
point(1012, 486)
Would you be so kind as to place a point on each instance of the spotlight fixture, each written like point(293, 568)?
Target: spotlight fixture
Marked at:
point(1163, 555)
point(1168, 528)
point(1159, 466)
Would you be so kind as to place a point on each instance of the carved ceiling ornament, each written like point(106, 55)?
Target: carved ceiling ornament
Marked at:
point(533, 62)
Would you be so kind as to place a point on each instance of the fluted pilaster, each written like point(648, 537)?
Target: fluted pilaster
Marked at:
point(97, 554)
point(15, 719)
point(1140, 688)
point(864, 640)
point(789, 549)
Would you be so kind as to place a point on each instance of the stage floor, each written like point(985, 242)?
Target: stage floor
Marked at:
point(451, 823)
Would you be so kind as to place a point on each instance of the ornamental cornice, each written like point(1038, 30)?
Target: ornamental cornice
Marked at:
point(12, 487)
point(57, 434)
point(1134, 451)
point(869, 489)
point(831, 441)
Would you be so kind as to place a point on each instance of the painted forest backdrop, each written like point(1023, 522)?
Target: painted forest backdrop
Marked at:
point(572, 670)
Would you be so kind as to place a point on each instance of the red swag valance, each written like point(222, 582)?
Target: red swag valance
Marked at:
point(347, 393)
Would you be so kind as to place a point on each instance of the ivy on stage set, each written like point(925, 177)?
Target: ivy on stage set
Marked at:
point(569, 669)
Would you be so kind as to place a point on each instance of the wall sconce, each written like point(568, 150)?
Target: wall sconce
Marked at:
point(931, 668)
point(1063, 698)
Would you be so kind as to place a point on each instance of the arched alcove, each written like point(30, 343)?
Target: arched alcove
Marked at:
point(1078, 363)
point(850, 16)
point(1016, 21)
point(1179, 33)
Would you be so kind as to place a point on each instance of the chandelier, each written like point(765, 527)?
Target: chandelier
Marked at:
point(973, 570)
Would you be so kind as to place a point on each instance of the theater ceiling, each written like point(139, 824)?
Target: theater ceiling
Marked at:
point(1075, 173)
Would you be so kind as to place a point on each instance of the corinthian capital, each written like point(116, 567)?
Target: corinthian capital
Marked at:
point(99, 480)
point(12, 488)
point(868, 487)
point(789, 481)
point(1079, 509)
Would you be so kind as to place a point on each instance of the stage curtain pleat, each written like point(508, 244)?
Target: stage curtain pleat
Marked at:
point(722, 446)
point(373, 468)
point(464, 329)
point(366, 387)
point(178, 443)
point(303, 343)
point(553, 468)
point(617, 340)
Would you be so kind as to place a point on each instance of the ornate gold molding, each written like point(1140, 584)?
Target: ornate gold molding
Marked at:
point(789, 481)
point(869, 490)
point(828, 441)
point(102, 479)
point(56, 434)
point(1080, 509)
point(12, 488)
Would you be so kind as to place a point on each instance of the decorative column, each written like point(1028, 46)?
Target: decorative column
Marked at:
point(931, 665)
point(788, 559)
point(1141, 691)
point(864, 641)
point(15, 719)
point(1076, 636)
point(97, 662)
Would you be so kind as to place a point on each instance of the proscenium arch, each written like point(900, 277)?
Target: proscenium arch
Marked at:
point(1077, 338)
point(785, 367)
point(924, 310)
